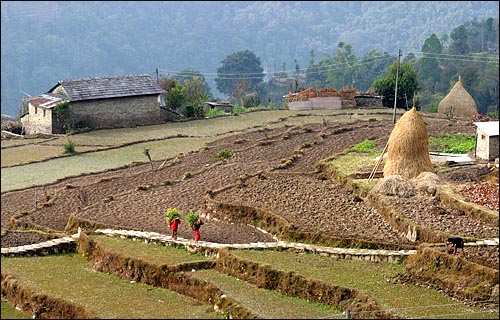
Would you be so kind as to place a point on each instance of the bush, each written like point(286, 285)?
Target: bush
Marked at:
point(171, 214)
point(212, 113)
point(192, 217)
point(224, 154)
point(69, 147)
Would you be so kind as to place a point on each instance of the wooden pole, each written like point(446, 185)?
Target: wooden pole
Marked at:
point(372, 174)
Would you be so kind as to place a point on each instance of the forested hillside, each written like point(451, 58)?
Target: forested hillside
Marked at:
point(46, 41)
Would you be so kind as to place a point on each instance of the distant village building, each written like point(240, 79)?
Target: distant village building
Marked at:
point(107, 102)
point(457, 103)
point(222, 105)
point(487, 140)
point(329, 98)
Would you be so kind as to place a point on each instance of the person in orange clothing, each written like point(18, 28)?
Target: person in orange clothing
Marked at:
point(174, 225)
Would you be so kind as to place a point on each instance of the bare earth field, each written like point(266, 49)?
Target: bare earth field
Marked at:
point(136, 197)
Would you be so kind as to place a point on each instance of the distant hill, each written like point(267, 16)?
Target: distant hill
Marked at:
point(47, 41)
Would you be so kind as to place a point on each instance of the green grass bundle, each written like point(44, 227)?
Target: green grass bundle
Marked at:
point(171, 214)
point(192, 217)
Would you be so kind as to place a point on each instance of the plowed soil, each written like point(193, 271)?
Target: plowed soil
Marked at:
point(137, 197)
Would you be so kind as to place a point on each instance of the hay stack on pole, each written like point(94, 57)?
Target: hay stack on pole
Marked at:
point(457, 103)
point(408, 147)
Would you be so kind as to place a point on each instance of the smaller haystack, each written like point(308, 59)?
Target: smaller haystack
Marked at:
point(395, 186)
point(458, 102)
point(408, 147)
point(426, 182)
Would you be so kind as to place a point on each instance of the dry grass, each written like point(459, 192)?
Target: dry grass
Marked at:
point(408, 147)
point(394, 185)
point(457, 103)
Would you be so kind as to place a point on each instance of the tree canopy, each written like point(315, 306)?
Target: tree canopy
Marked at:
point(235, 68)
point(407, 85)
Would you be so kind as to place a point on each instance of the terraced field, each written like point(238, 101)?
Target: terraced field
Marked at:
point(273, 169)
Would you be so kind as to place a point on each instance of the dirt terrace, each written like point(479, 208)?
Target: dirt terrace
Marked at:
point(136, 197)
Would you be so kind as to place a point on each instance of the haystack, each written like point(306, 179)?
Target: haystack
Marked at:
point(426, 182)
point(408, 147)
point(458, 102)
point(394, 186)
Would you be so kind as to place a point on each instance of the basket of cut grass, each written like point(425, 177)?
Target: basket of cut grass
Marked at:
point(171, 215)
point(191, 218)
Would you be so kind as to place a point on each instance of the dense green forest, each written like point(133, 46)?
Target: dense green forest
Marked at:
point(47, 41)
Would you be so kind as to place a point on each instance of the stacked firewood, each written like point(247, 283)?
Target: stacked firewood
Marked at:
point(345, 93)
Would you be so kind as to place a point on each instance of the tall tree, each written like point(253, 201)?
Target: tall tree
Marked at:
point(237, 66)
point(459, 44)
point(407, 85)
point(344, 69)
point(429, 66)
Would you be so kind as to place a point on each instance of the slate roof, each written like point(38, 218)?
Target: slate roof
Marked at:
point(109, 87)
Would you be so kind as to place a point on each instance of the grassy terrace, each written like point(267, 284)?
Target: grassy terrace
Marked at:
point(71, 277)
point(268, 304)
point(380, 282)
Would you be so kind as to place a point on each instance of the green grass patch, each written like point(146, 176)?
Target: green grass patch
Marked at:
point(157, 254)
point(366, 146)
point(377, 279)
point(267, 304)
point(70, 277)
point(456, 143)
point(48, 171)
point(10, 312)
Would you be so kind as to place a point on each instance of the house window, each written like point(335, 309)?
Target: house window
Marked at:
point(36, 110)
point(43, 112)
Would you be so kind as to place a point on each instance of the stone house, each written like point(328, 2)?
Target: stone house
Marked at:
point(96, 103)
point(487, 140)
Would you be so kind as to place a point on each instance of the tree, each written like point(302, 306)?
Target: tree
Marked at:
point(195, 97)
point(235, 67)
point(407, 85)
point(459, 41)
point(176, 97)
point(190, 75)
point(344, 72)
point(429, 66)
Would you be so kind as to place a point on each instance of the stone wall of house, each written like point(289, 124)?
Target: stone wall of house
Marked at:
point(37, 120)
point(368, 102)
point(117, 112)
point(317, 103)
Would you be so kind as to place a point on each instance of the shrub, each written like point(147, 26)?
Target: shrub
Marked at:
point(69, 147)
point(192, 217)
point(171, 214)
point(224, 154)
point(212, 113)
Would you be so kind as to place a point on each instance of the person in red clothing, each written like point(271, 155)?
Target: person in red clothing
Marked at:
point(196, 230)
point(174, 225)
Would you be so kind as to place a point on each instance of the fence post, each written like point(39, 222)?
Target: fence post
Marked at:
point(347, 314)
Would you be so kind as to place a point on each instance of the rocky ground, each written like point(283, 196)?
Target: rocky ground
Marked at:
point(136, 197)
